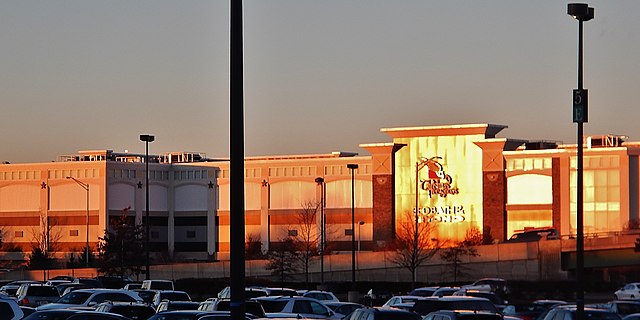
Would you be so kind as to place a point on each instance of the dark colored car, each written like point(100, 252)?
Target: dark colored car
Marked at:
point(462, 315)
point(382, 314)
point(427, 305)
point(114, 282)
point(134, 311)
point(531, 311)
point(58, 314)
point(194, 315)
point(423, 292)
point(343, 308)
point(534, 235)
point(168, 305)
point(93, 315)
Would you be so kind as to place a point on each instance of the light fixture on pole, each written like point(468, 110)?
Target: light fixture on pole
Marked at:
point(320, 182)
point(581, 12)
point(353, 167)
point(147, 138)
point(85, 186)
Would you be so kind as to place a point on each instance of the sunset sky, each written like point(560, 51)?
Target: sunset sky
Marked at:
point(320, 75)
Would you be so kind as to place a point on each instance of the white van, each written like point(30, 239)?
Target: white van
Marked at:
point(157, 285)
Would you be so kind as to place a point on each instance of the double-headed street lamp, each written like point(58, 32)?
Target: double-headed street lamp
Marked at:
point(353, 167)
point(85, 186)
point(581, 12)
point(147, 138)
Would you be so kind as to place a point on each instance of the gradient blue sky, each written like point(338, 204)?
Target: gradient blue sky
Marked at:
point(320, 75)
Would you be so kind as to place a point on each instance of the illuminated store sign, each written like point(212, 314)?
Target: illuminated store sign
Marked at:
point(439, 183)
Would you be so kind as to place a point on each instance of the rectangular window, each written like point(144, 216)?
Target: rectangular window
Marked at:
point(348, 232)
point(73, 233)
point(293, 233)
point(191, 234)
point(18, 234)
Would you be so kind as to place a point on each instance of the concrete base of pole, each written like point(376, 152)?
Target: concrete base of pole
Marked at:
point(354, 296)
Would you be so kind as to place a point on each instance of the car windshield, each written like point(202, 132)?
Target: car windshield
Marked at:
point(74, 298)
point(42, 291)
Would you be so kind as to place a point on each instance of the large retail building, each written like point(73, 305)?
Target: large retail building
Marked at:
point(455, 177)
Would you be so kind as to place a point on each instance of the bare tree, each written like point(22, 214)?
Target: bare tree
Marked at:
point(283, 258)
point(44, 243)
point(253, 247)
point(453, 255)
point(413, 247)
point(307, 235)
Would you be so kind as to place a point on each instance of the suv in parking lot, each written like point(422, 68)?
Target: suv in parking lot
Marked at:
point(35, 294)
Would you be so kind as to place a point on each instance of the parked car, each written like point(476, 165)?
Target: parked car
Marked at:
point(629, 291)
point(93, 315)
point(13, 286)
point(531, 311)
point(496, 285)
point(10, 310)
point(492, 296)
point(157, 285)
point(131, 310)
point(55, 314)
point(171, 295)
point(64, 288)
point(194, 315)
point(343, 308)
point(324, 296)
point(89, 282)
point(445, 291)
point(146, 295)
point(397, 300)
point(621, 307)
point(423, 291)
point(534, 235)
point(382, 314)
point(427, 305)
point(90, 298)
point(132, 286)
point(167, 305)
point(250, 306)
point(463, 315)
point(111, 282)
point(569, 312)
point(305, 307)
point(36, 294)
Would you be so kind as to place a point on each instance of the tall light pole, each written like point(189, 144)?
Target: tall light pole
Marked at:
point(581, 12)
point(147, 138)
point(353, 167)
point(85, 186)
point(236, 160)
point(320, 182)
point(421, 163)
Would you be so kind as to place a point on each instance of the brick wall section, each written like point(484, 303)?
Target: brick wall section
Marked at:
point(555, 187)
point(494, 199)
point(383, 198)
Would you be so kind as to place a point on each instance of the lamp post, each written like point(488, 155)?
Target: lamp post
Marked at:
point(320, 182)
point(419, 165)
point(147, 138)
point(85, 186)
point(581, 12)
point(353, 167)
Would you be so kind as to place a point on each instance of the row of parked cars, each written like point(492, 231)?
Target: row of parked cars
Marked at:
point(158, 300)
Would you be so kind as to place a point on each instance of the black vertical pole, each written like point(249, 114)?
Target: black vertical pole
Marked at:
point(236, 128)
point(146, 213)
point(579, 197)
